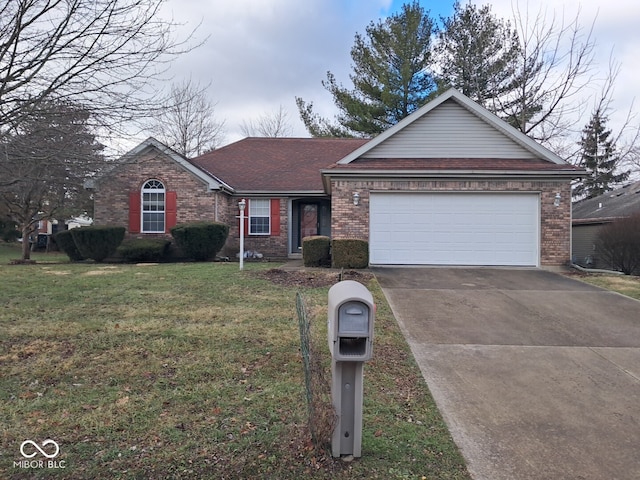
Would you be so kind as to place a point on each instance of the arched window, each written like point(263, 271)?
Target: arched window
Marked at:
point(153, 207)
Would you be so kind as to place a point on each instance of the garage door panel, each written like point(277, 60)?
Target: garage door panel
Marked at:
point(454, 228)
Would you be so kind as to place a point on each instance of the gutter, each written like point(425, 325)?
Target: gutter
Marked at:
point(280, 193)
point(328, 174)
point(450, 173)
point(594, 221)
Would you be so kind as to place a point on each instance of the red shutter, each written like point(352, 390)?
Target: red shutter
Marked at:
point(246, 219)
point(171, 211)
point(275, 217)
point(134, 212)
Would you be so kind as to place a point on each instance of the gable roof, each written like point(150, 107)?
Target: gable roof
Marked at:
point(517, 145)
point(609, 206)
point(267, 165)
point(212, 182)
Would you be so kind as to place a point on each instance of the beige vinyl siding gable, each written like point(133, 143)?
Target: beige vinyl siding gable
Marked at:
point(449, 131)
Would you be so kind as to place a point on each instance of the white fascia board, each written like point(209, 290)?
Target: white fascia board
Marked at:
point(211, 181)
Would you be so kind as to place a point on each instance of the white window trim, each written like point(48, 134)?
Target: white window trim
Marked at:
point(249, 217)
point(144, 190)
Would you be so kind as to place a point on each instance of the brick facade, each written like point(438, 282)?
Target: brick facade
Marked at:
point(271, 246)
point(350, 221)
point(194, 202)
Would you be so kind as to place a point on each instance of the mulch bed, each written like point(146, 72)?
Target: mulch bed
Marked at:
point(314, 278)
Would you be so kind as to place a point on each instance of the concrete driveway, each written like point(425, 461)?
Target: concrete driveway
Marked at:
point(536, 375)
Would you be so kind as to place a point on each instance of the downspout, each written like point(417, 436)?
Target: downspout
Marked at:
point(594, 270)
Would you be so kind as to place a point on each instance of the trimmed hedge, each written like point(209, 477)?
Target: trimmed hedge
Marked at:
point(350, 253)
point(97, 243)
point(315, 251)
point(200, 240)
point(144, 249)
point(65, 242)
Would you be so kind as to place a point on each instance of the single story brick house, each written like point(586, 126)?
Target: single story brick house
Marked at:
point(591, 214)
point(451, 184)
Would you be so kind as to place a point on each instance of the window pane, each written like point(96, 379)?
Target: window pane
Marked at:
point(153, 206)
point(153, 202)
point(153, 222)
point(259, 213)
point(259, 225)
point(259, 208)
point(153, 184)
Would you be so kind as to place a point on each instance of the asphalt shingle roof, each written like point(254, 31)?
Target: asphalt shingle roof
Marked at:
point(618, 203)
point(257, 164)
point(276, 164)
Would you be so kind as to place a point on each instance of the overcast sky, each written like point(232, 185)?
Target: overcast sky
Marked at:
point(261, 54)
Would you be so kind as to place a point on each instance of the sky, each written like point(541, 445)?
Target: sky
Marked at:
point(260, 54)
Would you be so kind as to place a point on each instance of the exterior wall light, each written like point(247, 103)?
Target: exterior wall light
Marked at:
point(556, 200)
point(356, 198)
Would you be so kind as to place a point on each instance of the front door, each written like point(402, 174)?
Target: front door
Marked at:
point(308, 219)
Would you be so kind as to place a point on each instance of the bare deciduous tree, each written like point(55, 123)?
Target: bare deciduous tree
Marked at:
point(105, 54)
point(554, 65)
point(65, 64)
point(627, 134)
point(275, 124)
point(619, 244)
point(187, 121)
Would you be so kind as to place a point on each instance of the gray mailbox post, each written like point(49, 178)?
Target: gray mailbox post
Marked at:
point(350, 330)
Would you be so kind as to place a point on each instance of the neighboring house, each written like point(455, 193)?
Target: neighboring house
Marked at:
point(48, 227)
point(451, 184)
point(591, 214)
point(79, 221)
point(53, 226)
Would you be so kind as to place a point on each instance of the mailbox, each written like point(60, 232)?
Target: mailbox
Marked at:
point(350, 316)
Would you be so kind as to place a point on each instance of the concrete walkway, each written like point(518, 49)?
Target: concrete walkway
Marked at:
point(537, 375)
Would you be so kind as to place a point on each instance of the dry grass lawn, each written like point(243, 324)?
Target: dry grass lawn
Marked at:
point(624, 284)
point(193, 371)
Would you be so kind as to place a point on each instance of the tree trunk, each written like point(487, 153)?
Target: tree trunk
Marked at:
point(26, 245)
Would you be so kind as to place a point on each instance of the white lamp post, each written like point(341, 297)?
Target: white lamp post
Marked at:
point(242, 204)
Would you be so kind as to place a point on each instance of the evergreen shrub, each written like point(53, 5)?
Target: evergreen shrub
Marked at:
point(65, 242)
point(316, 251)
point(200, 241)
point(350, 253)
point(144, 249)
point(97, 242)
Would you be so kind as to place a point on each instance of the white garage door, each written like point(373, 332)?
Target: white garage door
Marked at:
point(454, 229)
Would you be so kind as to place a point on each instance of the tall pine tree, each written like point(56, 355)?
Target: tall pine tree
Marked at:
point(391, 78)
point(598, 156)
point(476, 54)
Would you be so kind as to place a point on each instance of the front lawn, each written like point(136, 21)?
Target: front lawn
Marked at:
point(624, 284)
point(192, 371)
